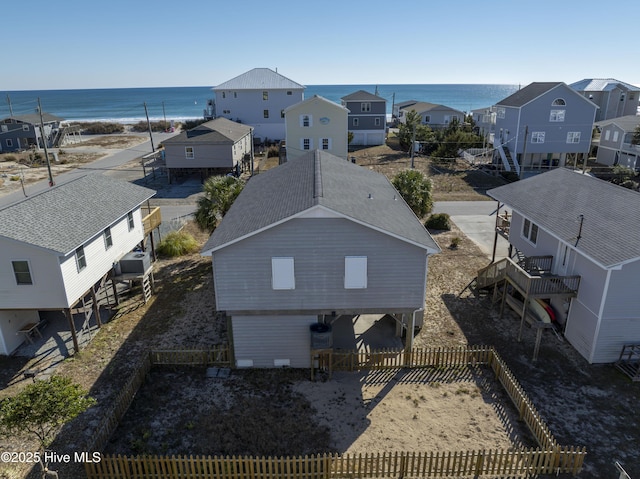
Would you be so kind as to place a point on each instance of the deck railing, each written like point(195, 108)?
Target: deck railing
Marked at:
point(542, 286)
point(152, 219)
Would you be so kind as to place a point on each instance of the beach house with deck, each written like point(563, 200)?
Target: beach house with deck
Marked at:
point(577, 244)
point(60, 247)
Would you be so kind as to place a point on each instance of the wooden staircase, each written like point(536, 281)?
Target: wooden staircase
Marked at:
point(147, 286)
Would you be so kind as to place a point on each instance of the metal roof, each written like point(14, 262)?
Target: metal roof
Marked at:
point(319, 179)
point(555, 200)
point(66, 216)
point(258, 79)
point(315, 99)
point(602, 84)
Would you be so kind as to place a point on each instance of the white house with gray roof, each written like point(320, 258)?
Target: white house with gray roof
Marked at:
point(613, 97)
point(306, 242)
point(56, 245)
point(217, 146)
point(258, 98)
point(432, 115)
point(590, 227)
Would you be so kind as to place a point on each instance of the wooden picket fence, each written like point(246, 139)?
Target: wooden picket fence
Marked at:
point(392, 465)
point(548, 458)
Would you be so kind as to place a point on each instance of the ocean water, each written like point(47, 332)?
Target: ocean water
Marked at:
point(127, 105)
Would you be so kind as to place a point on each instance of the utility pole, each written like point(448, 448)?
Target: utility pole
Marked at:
point(44, 143)
point(413, 145)
point(524, 150)
point(149, 126)
point(10, 107)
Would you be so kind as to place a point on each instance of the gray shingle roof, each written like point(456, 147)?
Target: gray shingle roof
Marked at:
point(602, 84)
point(528, 93)
point(66, 216)
point(423, 107)
point(626, 123)
point(319, 178)
point(362, 95)
point(554, 201)
point(34, 118)
point(257, 79)
point(218, 131)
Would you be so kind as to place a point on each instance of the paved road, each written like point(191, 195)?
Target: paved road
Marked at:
point(477, 220)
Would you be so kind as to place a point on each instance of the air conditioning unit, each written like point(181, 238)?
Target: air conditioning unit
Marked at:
point(137, 262)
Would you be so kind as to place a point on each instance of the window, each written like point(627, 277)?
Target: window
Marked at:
point(377, 122)
point(355, 272)
point(573, 137)
point(306, 143)
point(537, 137)
point(283, 273)
point(189, 153)
point(326, 143)
point(265, 113)
point(235, 94)
point(4, 128)
point(265, 95)
point(305, 121)
point(81, 260)
point(500, 112)
point(22, 272)
point(530, 231)
point(130, 222)
point(427, 119)
point(224, 95)
point(366, 106)
point(558, 102)
point(356, 122)
point(289, 93)
point(615, 135)
point(281, 113)
point(9, 142)
point(108, 240)
point(607, 134)
point(557, 115)
point(25, 127)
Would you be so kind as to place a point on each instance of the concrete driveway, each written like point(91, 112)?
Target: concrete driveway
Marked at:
point(477, 220)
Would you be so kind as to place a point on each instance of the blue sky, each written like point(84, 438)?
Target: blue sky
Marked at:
point(70, 44)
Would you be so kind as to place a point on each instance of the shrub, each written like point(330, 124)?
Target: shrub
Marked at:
point(439, 221)
point(415, 188)
point(101, 128)
point(9, 158)
point(178, 243)
point(273, 151)
point(142, 126)
point(455, 242)
point(188, 124)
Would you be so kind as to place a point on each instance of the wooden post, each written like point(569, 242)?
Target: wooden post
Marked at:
point(96, 309)
point(72, 328)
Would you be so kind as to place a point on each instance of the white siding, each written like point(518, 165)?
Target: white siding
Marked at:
point(99, 261)
point(47, 289)
point(581, 328)
point(263, 340)
point(10, 323)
